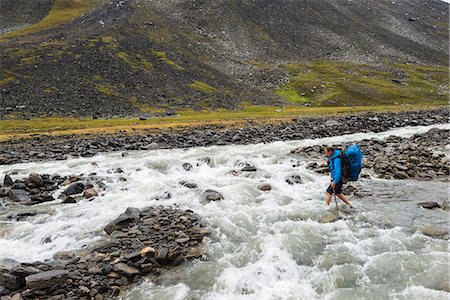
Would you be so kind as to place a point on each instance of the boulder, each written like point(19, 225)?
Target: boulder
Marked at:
point(264, 186)
point(10, 281)
point(7, 181)
point(20, 216)
point(212, 195)
point(328, 218)
point(69, 200)
point(429, 205)
point(36, 179)
point(188, 184)
point(89, 193)
point(434, 232)
point(73, 189)
point(4, 191)
point(126, 269)
point(248, 167)
point(294, 179)
point(18, 195)
point(46, 279)
point(400, 175)
point(194, 252)
point(187, 166)
point(130, 216)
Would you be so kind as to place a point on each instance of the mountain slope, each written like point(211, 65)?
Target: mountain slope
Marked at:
point(141, 56)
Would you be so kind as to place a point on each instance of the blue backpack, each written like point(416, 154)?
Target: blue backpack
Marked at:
point(351, 162)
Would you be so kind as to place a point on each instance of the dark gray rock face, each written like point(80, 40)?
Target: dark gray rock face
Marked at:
point(128, 217)
point(46, 279)
point(74, 188)
point(19, 195)
point(429, 205)
point(7, 181)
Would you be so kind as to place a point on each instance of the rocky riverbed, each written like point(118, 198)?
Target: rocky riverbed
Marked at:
point(43, 148)
point(263, 206)
point(422, 156)
point(138, 243)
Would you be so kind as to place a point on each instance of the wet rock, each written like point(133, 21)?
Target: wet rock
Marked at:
point(10, 281)
point(212, 195)
point(195, 252)
point(328, 218)
point(187, 166)
point(20, 216)
point(7, 181)
point(4, 191)
point(126, 269)
point(73, 189)
point(247, 167)
point(18, 195)
point(46, 279)
point(24, 271)
point(204, 160)
point(264, 186)
point(36, 179)
point(162, 253)
point(429, 205)
point(400, 175)
point(89, 193)
point(188, 184)
point(349, 190)
point(434, 232)
point(130, 216)
point(69, 200)
point(294, 179)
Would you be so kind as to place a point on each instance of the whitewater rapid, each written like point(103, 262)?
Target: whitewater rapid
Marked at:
point(264, 245)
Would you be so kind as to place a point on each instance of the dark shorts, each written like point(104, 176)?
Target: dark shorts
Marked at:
point(338, 188)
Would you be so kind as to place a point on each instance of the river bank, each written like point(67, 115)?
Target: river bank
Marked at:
point(43, 148)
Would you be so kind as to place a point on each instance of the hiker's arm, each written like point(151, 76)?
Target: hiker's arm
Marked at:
point(338, 172)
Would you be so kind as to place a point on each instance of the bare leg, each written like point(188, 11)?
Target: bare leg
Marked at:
point(327, 199)
point(342, 197)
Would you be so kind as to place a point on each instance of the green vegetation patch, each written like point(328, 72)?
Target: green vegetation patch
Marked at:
point(137, 62)
point(162, 56)
point(203, 87)
point(329, 83)
point(7, 79)
point(107, 90)
point(62, 11)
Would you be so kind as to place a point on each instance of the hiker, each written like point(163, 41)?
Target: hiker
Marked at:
point(334, 162)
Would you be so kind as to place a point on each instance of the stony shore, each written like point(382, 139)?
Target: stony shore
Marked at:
point(43, 148)
point(422, 156)
point(138, 244)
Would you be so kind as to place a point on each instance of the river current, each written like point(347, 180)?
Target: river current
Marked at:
point(264, 245)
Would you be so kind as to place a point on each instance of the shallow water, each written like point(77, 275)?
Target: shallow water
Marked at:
point(264, 245)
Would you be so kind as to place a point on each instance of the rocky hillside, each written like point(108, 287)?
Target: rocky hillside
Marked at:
point(99, 57)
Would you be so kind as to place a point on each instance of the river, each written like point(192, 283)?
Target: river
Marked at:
point(264, 245)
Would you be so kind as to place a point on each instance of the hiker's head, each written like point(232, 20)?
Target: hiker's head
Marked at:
point(329, 151)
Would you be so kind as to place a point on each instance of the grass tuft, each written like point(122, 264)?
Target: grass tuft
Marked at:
point(203, 87)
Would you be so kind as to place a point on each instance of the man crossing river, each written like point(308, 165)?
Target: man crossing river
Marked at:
point(334, 162)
